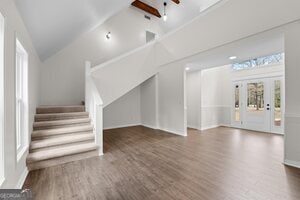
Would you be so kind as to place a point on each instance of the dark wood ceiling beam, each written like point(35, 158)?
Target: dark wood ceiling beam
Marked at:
point(176, 1)
point(147, 8)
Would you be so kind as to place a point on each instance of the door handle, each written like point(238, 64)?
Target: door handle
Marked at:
point(268, 108)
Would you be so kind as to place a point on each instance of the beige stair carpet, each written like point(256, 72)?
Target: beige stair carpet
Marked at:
point(61, 134)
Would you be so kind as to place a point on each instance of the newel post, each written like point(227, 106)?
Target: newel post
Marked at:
point(93, 105)
point(99, 128)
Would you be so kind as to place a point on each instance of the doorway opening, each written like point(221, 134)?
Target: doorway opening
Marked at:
point(240, 85)
point(259, 104)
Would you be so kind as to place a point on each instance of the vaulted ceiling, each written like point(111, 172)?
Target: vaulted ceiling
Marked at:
point(53, 24)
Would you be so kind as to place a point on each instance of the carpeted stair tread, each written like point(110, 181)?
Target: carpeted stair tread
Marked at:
point(60, 109)
point(68, 139)
point(60, 152)
point(60, 123)
point(59, 131)
point(60, 116)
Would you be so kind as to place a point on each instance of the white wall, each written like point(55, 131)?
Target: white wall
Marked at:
point(171, 99)
point(209, 97)
point(149, 102)
point(15, 172)
point(292, 81)
point(193, 95)
point(62, 79)
point(1, 98)
point(126, 111)
point(218, 25)
point(157, 103)
point(216, 97)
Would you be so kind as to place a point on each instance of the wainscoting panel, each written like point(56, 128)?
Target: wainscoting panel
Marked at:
point(292, 138)
point(214, 116)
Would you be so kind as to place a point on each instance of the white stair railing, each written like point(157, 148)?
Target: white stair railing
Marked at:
point(94, 105)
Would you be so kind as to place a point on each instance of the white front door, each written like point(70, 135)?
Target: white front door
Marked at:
point(258, 104)
point(255, 103)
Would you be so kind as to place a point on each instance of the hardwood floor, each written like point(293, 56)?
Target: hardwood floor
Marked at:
point(141, 163)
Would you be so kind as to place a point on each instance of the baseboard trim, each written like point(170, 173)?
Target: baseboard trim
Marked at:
point(122, 126)
point(226, 125)
point(174, 132)
point(22, 179)
point(131, 125)
point(292, 163)
point(100, 152)
point(193, 127)
point(2, 181)
point(209, 127)
point(150, 126)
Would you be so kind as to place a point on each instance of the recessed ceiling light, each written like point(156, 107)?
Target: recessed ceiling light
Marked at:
point(232, 57)
point(187, 68)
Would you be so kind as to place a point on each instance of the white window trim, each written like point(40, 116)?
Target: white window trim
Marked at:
point(22, 149)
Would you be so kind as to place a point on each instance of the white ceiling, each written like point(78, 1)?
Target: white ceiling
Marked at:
point(246, 49)
point(179, 14)
point(53, 24)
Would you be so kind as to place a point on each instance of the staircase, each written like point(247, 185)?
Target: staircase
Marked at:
point(60, 134)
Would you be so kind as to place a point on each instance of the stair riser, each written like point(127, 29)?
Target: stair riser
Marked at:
point(61, 145)
point(60, 126)
point(72, 150)
point(59, 135)
point(62, 160)
point(45, 110)
point(55, 118)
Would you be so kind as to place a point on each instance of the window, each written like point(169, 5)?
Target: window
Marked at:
point(277, 103)
point(255, 97)
point(1, 98)
point(21, 98)
point(258, 62)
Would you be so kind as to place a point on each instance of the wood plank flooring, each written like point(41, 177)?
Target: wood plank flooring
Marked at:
point(143, 164)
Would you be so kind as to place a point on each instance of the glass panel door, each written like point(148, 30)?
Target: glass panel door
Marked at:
point(255, 98)
point(255, 111)
point(237, 109)
point(259, 105)
point(237, 117)
point(277, 102)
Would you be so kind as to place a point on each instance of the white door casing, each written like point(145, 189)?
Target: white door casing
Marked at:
point(260, 106)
